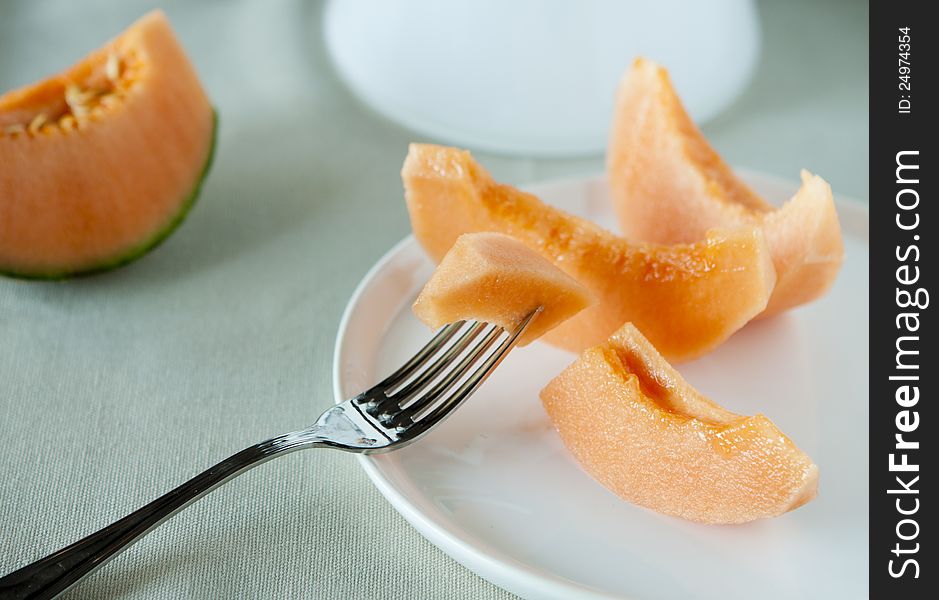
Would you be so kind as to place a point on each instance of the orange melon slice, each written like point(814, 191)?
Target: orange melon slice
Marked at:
point(670, 186)
point(101, 162)
point(494, 278)
point(687, 298)
point(639, 429)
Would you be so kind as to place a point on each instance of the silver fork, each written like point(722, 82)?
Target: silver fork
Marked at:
point(390, 415)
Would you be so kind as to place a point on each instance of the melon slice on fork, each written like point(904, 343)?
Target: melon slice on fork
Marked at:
point(494, 278)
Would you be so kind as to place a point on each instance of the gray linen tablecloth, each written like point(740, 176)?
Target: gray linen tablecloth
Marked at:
point(114, 389)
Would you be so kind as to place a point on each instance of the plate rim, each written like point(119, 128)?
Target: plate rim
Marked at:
point(512, 575)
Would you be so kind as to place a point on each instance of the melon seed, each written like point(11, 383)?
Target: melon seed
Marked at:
point(37, 122)
point(112, 68)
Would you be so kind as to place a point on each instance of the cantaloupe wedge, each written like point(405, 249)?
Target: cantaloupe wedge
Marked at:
point(639, 429)
point(686, 298)
point(670, 186)
point(494, 278)
point(101, 162)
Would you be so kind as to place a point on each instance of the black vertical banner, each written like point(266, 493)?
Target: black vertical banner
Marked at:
point(903, 369)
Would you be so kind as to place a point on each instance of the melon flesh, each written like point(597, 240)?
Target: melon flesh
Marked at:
point(670, 186)
point(493, 278)
point(686, 298)
point(100, 162)
point(636, 426)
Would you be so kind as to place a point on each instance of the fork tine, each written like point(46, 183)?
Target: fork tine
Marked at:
point(442, 410)
point(423, 355)
point(447, 383)
point(443, 361)
point(389, 402)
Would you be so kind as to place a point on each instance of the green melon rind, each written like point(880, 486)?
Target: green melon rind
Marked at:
point(143, 248)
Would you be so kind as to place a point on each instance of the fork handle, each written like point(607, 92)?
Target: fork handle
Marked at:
point(52, 575)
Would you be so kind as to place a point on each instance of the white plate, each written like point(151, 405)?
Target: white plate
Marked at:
point(434, 66)
point(494, 488)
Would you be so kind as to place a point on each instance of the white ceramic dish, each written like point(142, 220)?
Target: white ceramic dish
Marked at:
point(494, 488)
point(534, 77)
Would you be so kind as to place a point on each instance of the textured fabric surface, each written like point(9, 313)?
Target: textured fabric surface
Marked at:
point(116, 388)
